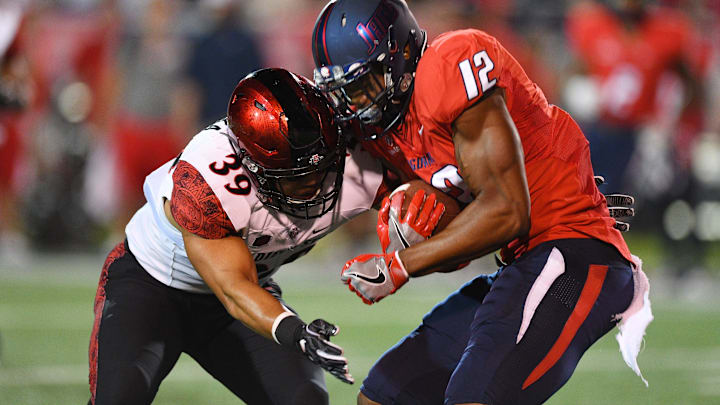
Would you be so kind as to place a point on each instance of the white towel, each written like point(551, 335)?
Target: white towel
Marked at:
point(635, 320)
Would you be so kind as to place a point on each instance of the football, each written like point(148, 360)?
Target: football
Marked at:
point(452, 208)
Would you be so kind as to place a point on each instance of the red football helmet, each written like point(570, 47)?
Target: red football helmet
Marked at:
point(290, 143)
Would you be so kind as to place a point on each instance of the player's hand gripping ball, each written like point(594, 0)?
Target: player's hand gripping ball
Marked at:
point(412, 213)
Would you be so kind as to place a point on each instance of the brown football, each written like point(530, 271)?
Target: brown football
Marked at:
point(452, 208)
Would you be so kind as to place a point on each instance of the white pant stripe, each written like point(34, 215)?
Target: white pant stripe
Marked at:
point(554, 267)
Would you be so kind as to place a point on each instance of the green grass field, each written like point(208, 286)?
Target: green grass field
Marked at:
point(46, 317)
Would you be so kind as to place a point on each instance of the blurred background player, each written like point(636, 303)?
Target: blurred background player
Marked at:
point(645, 64)
point(69, 46)
point(628, 47)
point(486, 135)
point(15, 93)
point(150, 120)
point(223, 51)
point(248, 194)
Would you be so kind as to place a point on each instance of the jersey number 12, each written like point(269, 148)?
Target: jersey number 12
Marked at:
point(482, 61)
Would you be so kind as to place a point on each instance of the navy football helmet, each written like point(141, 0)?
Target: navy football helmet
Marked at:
point(290, 143)
point(366, 53)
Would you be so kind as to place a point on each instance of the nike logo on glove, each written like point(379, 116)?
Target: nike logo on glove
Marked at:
point(379, 279)
point(400, 235)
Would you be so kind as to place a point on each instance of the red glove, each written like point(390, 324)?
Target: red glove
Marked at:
point(374, 277)
point(396, 233)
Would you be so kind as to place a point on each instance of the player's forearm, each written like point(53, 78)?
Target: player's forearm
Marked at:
point(481, 228)
point(228, 269)
point(243, 298)
point(252, 305)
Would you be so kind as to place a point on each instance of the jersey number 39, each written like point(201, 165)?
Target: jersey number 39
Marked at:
point(242, 182)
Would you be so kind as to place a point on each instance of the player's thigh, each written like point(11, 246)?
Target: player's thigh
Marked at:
point(541, 315)
point(416, 370)
point(555, 369)
point(260, 371)
point(136, 336)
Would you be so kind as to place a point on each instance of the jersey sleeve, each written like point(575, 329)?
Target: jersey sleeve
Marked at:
point(454, 73)
point(195, 207)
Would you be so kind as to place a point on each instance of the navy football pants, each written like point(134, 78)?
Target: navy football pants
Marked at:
point(515, 341)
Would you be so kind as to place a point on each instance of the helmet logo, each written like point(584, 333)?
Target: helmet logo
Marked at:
point(375, 29)
point(405, 82)
point(321, 74)
point(392, 46)
point(314, 159)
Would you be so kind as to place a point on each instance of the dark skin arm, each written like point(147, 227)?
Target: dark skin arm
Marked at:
point(228, 268)
point(490, 159)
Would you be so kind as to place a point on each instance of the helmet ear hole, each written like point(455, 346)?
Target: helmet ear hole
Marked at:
point(393, 47)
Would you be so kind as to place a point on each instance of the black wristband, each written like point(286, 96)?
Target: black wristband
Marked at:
point(289, 330)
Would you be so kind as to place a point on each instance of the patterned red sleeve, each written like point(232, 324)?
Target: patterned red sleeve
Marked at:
point(194, 205)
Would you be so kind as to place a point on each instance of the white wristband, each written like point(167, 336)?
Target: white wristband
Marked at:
point(276, 322)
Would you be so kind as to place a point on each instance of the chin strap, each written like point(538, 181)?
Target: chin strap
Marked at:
point(635, 320)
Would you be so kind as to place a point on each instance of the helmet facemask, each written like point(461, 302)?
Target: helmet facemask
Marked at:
point(306, 191)
point(362, 92)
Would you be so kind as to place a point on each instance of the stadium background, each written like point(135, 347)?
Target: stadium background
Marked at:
point(106, 82)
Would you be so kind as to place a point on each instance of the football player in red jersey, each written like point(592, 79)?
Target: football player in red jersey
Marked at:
point(246, 195)
point(15, 96)
point(628, 47)
point(651, 64)
point(470, 122)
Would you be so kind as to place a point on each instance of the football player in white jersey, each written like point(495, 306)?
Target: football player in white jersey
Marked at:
point(246, 195)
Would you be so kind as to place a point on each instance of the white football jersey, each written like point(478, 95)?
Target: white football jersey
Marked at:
point(272, 237)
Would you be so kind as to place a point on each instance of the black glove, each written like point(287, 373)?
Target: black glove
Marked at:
point(619, 206)
point(313, 341)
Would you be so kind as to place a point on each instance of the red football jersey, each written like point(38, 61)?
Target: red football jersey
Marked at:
point(630, 64)
point(453, 73)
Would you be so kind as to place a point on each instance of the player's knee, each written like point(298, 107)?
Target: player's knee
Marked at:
point(310, 393)
point(363, 400)
point(123, 396)
point(113, 390)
